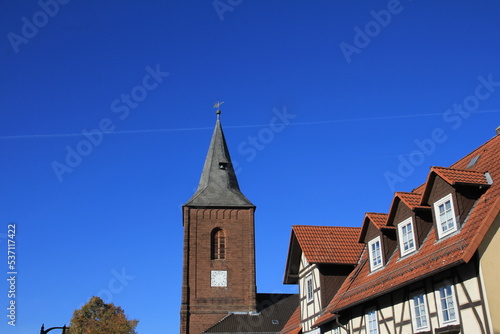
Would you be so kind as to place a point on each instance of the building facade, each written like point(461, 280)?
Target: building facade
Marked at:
point(429, 265)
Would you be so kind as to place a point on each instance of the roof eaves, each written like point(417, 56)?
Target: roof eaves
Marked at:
point(290, 258)
point(328, 317)
point(397, 286)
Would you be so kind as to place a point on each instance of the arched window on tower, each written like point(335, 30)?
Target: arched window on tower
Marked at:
point(218, 249)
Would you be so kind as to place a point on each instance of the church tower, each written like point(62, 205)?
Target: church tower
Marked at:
point(219, 244)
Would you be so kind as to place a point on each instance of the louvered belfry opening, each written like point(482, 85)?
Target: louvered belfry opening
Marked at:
point(218, 244)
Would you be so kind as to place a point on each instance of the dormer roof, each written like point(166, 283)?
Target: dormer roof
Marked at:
point(454, 177)
point(379, 220)
point(411, 200)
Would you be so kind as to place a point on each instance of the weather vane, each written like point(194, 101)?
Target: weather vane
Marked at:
point(217, 105)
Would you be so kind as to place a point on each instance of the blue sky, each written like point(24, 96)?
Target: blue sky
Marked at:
point(106, 118)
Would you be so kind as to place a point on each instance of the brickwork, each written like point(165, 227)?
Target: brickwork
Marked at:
point(202, 304)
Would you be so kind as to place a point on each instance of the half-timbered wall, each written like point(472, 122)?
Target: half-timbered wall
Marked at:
point(309, 309)
point(394, 314)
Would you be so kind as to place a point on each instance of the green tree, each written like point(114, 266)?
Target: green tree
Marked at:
point(97, 317)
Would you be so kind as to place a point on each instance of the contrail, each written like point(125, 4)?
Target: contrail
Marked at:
point(364, 119)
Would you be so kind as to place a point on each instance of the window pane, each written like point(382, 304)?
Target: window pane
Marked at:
point(406, 237)
point(376, 253)
point(309, 288)
point(447, 305)
point(372, 322)
point(420, 312)
point(446, 219)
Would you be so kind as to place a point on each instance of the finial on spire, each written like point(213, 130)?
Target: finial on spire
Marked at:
point(217, 105)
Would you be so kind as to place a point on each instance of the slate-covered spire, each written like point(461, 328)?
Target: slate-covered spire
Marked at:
point(218, 184)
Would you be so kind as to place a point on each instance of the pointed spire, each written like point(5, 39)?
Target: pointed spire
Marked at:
point(218, 184)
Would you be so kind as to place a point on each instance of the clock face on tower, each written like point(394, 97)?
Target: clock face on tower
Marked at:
point(218, 278)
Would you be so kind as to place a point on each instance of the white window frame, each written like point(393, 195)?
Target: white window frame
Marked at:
point(448, 218)
point(370, 317)
point(371, 255)
point(309, 285)
point(336, 330)
point(314, 331)
point(402, 235)
point(451, 297)
point(425, 310)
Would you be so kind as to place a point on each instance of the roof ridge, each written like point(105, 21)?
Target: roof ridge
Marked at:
point(456, 169)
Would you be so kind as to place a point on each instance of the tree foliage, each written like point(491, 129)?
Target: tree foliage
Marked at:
point(97, 317)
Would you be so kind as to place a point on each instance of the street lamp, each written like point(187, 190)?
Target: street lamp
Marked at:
point(43, 331)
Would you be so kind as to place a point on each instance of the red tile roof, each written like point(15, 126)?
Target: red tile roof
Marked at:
point(434, 255)
point(329, 244)
point(293, 324)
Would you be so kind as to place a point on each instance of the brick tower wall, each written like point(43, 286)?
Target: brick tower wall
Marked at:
point(204, 305)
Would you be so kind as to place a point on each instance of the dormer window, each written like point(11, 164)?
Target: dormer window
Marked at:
point(445, 216)
point(406, 237)
point(375, 252)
